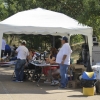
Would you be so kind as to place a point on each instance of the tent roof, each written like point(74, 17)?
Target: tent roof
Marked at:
point(41, 21)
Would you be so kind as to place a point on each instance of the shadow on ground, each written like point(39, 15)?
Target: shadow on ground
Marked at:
point(7, 86)
point(77, 96)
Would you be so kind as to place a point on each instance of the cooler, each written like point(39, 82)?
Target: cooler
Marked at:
point(88, 82)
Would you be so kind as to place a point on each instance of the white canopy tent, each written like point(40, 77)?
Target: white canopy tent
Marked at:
point(41, 21)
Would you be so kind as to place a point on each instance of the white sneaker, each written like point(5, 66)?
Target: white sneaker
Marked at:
point(54, 82)
point(47, 81)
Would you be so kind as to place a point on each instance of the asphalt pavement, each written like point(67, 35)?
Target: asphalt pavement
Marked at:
point(28, 90)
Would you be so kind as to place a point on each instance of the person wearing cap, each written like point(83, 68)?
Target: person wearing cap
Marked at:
point(22, 54)
point(63, 59)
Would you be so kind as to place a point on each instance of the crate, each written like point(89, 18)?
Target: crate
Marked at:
point(74, 84)
point(79, 68)
point(76, 75)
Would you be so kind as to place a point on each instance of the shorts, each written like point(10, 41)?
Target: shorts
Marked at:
point(57, 71)
point(47, 69)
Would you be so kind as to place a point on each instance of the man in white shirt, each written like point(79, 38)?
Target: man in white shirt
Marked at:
point(3, 47)
point(22, 54)
point(63, 59)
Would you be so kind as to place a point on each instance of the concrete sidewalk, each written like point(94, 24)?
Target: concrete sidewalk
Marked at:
point(10, 90)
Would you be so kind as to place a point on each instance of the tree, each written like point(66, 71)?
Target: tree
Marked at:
point(3, 12)
point(85, 11)
point(69, 7)
point(91, 15)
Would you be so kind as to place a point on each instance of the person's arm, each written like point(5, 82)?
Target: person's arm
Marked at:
point(17, 50)
point(63, 59)
point(47, 59)
point(28, 55)
point(52, 61)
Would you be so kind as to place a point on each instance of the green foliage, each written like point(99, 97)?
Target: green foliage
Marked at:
point(69, 7)
point(36, 41)
point(76, 39)
point(3, 12)
point(91, 15)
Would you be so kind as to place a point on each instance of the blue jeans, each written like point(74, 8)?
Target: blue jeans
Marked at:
point(63, 74)
point(19, 69)
point(13, 58)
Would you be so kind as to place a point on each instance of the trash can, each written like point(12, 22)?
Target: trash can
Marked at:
point(88, 83)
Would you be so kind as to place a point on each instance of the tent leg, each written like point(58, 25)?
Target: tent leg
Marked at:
point(89, 69)
point(1, 35)
point(69, 39)
point(90, 43)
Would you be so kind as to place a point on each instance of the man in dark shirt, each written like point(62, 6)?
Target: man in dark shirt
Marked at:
point(7, 50)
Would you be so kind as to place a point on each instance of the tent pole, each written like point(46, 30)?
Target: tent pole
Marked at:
point(90, 44)
point(68, 38)
point(1, 35)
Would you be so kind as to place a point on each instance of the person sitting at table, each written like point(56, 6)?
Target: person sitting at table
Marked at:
point(55, 77)
point(29, 59)
point(51, 59)
point(56, 74)
point(31, 54)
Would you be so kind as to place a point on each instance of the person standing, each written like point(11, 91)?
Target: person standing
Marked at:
point(7, 50)
point(22, 54)
point(3, 47)
point(63, 59)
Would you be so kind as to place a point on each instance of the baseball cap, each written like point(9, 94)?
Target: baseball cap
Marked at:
point(64, 38)
point(23, 41)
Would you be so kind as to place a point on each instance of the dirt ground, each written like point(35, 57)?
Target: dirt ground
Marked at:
point(28, 90)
